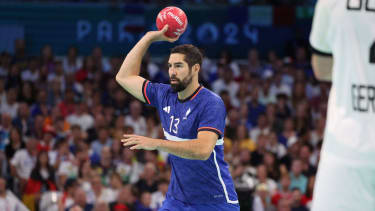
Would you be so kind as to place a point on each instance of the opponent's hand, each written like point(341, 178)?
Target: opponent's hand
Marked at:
point(160, 36)
point(139, 142)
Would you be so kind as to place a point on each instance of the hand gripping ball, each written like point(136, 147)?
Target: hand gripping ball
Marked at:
point(176, 20)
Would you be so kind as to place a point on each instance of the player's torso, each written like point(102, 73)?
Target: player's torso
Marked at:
point(179, 119)
point(194, 181)
point(351, 117)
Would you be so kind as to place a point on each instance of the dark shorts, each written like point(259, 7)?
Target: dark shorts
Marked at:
point(171, 204)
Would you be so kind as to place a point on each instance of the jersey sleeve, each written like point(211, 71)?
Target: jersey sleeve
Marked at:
point(212, 118)
point(320, 28)
point(153, 92)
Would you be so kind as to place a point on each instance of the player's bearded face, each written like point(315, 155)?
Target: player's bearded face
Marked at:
point(179, 85)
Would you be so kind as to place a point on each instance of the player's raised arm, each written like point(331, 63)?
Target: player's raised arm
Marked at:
point(128, 75)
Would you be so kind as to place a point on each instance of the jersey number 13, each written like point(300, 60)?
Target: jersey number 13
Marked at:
point(173, 127)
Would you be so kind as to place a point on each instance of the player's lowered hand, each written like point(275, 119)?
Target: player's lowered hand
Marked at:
point(160, 36)
point(139, 142)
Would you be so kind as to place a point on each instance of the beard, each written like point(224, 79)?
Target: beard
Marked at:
point(181, 85)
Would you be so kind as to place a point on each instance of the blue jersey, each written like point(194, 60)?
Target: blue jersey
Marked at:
point(194, 181)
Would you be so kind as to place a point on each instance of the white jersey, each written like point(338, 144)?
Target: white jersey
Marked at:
point(345, 29)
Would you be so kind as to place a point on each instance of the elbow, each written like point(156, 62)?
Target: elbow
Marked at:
point(118, 78)
point(321, 76)
point(204, 155)
point(318, 76)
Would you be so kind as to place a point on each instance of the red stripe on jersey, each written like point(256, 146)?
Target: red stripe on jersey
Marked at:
point(212, 128)
point(196, 93)
point(144, 91)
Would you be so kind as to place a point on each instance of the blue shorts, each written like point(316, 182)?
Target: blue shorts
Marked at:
point(171, 204)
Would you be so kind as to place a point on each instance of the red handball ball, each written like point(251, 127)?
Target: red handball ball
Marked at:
point(176, 20)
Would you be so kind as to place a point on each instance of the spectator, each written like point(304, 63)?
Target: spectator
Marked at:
point(24, 161)
point(81, 117)
point(60, 154)
point(298, 180)
point(85, 173)
point(100, 122)
point(135, 119)
point(226, 83)
point(15, 143)
point(257, 155)
point(226, 60)
point(80, 201)
point(42, 179)
point(10, 106)
point(262, 200)
point(48, 58)
point(55, 92)
point(148, 180)
point(57, 76)
point(116, 147)
point(5, 62)
point(23, 121)
point(272, 165)
point(60, 200)
point(129, 168)
point(102, 64)
point(243, 137)
point(254, 64)
point(125, 199)
point(8, 201)
point(99, 193)
point(305, 155)
point(5, 128)
point(283, 192)
point(262, 127)
point(262, 178)
point(158, 197)
point(105, 167)
point(39, 104)
point(101, 206)
point(144, 203)
point(27, 94)
point(67, 105)
point(275, 146)
point(48, 141)
point(255, 108)
point(102, 141)
point(86, 72)
point(307, 197)
point(296, 202)
point(72, 63)
point(115, 184)
point(14, 76)
point(32, 72)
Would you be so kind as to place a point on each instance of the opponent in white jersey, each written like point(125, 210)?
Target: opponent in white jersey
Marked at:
point(343, 37)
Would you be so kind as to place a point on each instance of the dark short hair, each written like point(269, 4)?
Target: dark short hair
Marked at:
point(192, 54)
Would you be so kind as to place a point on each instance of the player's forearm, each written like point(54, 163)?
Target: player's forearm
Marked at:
point(185, 149)
point(132, 63)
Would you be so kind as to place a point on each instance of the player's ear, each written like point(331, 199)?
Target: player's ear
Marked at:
point(196, 67)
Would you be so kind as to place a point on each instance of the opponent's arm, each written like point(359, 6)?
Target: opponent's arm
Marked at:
point(322, 66)
point(196, 149)
point(321, 44)
point(128, 75)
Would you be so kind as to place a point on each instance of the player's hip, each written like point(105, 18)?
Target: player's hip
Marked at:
point(171, 204)
point(342, 187)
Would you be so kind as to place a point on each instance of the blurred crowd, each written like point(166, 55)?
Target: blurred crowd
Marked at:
point(185, 2)
point(62, 119)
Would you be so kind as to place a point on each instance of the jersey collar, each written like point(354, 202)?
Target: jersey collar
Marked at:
point(192, 95)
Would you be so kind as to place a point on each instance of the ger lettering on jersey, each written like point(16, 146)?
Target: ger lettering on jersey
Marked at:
point(345, 29)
